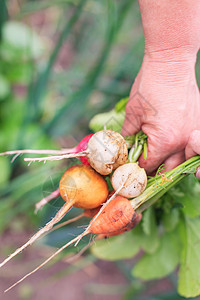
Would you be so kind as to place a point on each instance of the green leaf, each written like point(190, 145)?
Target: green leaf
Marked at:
point(148, 221)
point(170, 219)
point(4, 87)
point(117, 247)
point(188, 194)
point(160, 263)
point(150, 238)
point(121, 105)
point(111, 120)
point(189, 273)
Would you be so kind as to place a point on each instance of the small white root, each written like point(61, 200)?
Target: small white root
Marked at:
point(47, 199)
point(59, 157)
point(60, 214)
point(44, 263)
point(76, 256)
point(30, 151)
point(67, 222)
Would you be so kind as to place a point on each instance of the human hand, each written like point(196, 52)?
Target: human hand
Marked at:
point(166, 108)
point(164, 100)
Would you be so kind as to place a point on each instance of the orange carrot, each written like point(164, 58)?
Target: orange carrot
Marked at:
point(117, 216)
point(134, 223)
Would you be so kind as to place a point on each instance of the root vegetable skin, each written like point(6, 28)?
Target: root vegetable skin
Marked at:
point(82, 146)
point(90, 213)
point(107, 150)
point(130, 226)
point(83, 186)
point(132, 178)
point(118, 216)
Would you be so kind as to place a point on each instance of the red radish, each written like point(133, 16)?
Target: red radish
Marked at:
point(80, 186)
point(118, 216)
point(82, 146)
point(106, 151)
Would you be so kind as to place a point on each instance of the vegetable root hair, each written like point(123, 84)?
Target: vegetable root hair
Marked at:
point(46, 200)
point(56, 157)
point(44, 263)
point(114, 217)
point(60, 214)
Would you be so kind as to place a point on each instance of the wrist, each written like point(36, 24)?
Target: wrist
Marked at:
point(171, 65)
point(183, 54)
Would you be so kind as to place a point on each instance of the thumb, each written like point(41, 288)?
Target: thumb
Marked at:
point(132, 122)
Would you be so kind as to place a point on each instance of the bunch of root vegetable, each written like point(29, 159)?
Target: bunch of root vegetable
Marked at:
point(104, 153)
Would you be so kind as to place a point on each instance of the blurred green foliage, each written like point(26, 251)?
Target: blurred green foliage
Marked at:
point(49, 94)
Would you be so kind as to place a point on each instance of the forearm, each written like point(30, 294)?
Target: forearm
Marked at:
point(171, 26)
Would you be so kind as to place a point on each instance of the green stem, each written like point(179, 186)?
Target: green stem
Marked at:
point(162, 183)
point(138, 147)
point(137, 153)
point(136, 140)
point(130, 140)
point(145, 150)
